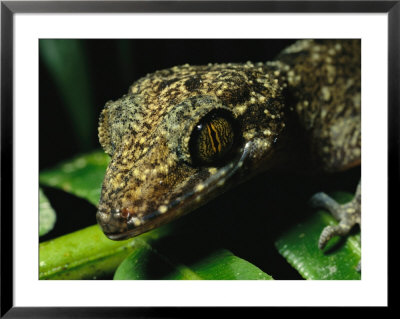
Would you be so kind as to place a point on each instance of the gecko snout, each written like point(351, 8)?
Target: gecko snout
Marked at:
point(109, 221)
point(115, 222)
point(120, 224)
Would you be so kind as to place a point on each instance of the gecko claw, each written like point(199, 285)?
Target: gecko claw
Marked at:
point(330, 231)
point(322, 200)
point(348, 215)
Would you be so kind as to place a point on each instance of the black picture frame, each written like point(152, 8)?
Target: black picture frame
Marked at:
point(9, 8)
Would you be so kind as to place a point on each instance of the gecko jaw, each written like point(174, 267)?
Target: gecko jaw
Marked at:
point(117, 226)
point(120, 224)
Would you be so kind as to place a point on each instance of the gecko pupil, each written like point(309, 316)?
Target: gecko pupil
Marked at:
point(213, 138)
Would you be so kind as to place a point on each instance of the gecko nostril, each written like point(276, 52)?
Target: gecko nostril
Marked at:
point(115, 221)
point(127, 212)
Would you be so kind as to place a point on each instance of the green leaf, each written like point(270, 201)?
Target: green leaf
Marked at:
point(81, 176)
point(47, 215)
point(337, 261)
point(66, 61)
point(87, 253)
point(147, 263)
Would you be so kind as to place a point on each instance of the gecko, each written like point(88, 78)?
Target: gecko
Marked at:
point(182, 136)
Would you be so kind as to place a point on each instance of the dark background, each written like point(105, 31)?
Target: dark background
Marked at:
point(102, 70)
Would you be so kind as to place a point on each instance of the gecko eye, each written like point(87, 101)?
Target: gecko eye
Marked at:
point(213, 139)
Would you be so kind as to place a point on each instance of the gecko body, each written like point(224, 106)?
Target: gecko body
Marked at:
point(183, 135)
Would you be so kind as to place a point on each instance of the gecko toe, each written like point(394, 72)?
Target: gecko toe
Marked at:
point(347, 215)
point(330, 231)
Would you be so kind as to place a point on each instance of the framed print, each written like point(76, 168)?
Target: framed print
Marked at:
point(163, 155)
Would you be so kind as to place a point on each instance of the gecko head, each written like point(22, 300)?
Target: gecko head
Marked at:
point(175, 146)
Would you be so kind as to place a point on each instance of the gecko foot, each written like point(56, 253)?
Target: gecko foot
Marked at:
point(347, 214)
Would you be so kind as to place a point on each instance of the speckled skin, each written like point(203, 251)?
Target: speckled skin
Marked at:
point(326, 95)
point(152, 178)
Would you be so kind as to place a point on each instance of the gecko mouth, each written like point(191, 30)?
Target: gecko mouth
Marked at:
point(123, 223)
point(120, 224)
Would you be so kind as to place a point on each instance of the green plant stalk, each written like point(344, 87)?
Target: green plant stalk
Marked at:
point(88, 253)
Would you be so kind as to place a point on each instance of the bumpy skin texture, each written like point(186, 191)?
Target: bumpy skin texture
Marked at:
point(325, 82)
point(152, 177)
